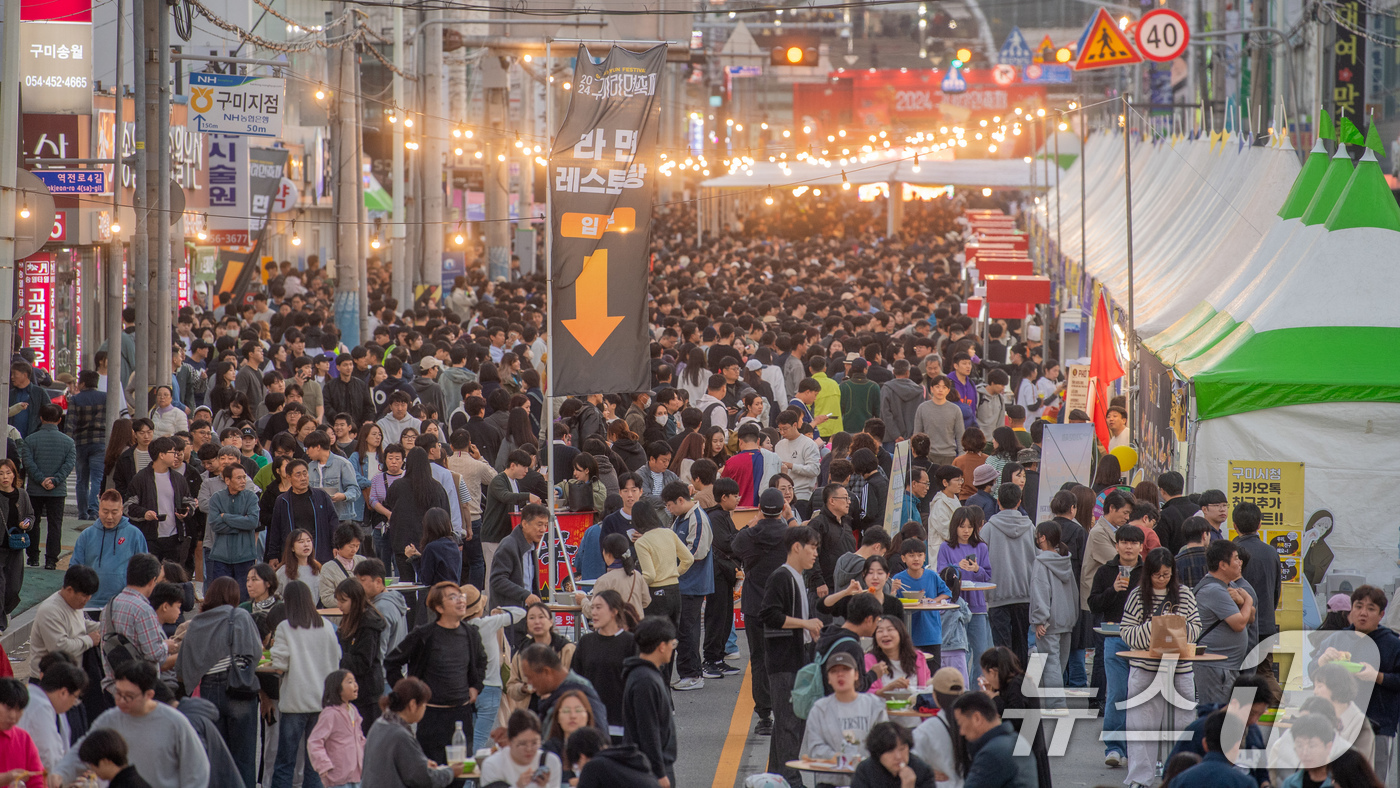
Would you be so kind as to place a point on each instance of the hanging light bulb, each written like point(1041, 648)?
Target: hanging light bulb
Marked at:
point(457, 151)
point(24, 210)
point(457, 133)
point(408, 123)
point(845, 184)
point(374, 242)
point(459, 238)
point(916, 162)
point(320, 94)
point(115, 228)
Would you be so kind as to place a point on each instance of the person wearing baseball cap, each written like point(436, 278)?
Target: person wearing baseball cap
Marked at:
point(426, 388)
point(936, 738)
point(761, 551)
point(843, 711)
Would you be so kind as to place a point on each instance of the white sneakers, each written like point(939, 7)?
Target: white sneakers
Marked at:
point(1113, 759)
point(685, 685)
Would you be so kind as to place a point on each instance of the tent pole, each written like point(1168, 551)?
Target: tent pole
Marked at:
point(1059, 241)
point(1128, 205)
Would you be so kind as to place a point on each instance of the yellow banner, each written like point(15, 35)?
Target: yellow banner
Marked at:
point(1277, 489)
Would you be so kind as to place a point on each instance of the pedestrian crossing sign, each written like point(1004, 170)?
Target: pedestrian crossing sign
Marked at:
point(1103, 45)
point(1015, 52)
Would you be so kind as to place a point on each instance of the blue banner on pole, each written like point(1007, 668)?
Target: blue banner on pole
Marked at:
point(74, 181)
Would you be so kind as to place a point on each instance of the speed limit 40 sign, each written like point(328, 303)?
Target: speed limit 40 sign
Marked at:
point(1162, 35)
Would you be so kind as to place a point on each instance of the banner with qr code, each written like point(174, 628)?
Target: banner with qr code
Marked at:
point(601, 185)
point(1277, 489)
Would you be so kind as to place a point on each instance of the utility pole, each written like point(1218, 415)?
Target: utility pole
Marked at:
point(116, 282)
point(361, 211)
point(347, 176)
point(1258, 64)
point(496, 199)
point(9, 172)
point(141, 241)
point(160, 352)
point(398, 266)
point(431, 160)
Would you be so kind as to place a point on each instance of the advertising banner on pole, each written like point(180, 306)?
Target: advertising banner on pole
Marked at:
point(1067, 455)
point(56, 56)
point(1161, 416)
point(234, 104)
point(602, 174)
point(899, 483)
point(230, 200)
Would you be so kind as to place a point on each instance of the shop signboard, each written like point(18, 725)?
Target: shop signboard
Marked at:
point(230, 203)
point(37, 277)
point(56, 56)
point(236, 104)
point(1277, 489)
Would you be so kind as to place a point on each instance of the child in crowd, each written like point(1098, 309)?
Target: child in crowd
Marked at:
point(925, 626)
point(953, 653)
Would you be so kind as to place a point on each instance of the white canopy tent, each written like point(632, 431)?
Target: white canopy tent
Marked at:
point(966, 173)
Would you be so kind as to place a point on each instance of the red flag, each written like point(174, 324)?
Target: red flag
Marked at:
point(1104, 367)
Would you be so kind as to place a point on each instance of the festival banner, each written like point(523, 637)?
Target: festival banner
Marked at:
point(1277, 489)
point(602, 174)
point(1066, 456)
point(1161, 416)
point(899, 484)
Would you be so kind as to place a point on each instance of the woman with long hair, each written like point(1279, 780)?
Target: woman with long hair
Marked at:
point(409, 500)
point(204, 662)
point(539, 628)
point(622, 576)
point(360, 632)
point(601, 652)
point(439, 559)
point(223, 373)
point(1158, 593)
point(692, 448)
point(840, 450)
point(368, 456)
point(585, 489)
point(16, 518)
point(1007, 447)
point(694, 379)
point(299, 560)
point(571, 712)
point(751, 409)
point(893, 658)
point(392, 754)
point(608, 464)
point(1351, 770)
point(237, 410)
point(657, 417)
point(489, 375)
point(519, 432)
point(281, 482)
point(123, 437)
point(1083, 506)
point(716, 444)
point(1109, 473)
point(624, 443)
point(966, 552)
point(1002, 678)
point(305, 650)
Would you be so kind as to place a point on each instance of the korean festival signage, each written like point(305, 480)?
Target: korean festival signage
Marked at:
point(234, 104)
point(56, 57)
point(602, 181)
point(1349, 62)
point(1277, 489)
point(230, 199)
point(38, 274)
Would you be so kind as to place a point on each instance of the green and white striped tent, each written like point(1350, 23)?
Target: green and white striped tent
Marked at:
point(1301, 359)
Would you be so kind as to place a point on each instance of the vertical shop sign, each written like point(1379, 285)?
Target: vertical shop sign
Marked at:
point(1349, 62)
point(602, 184)
point(230, 202)
point(36, 308)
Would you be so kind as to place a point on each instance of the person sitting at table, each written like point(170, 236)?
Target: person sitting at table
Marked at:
point(872, 580)
point(1002, 678)
point(836, 722)
point(894, 659)
point(891, 764)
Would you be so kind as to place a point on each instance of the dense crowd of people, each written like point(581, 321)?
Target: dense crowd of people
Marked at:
point(316, 564)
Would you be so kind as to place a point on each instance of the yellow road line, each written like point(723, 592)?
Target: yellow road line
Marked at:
point(727, 771)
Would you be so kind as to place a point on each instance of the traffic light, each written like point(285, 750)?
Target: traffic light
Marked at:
point(795, 50)
point(961, 57)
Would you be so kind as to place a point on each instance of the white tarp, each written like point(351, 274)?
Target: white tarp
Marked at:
point(1198, 211)
point(969, 173)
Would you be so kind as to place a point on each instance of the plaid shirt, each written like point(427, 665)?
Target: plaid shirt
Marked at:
point(87, 418)
point(131, 614)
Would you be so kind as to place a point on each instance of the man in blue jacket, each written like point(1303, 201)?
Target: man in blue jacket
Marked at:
point(108, 546)
point(991, 744)
point(49, 456)
point(692, 525)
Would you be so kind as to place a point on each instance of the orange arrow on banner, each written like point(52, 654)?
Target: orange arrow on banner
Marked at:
point(591, 324)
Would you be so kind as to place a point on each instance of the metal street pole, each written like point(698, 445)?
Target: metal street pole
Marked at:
point(348, 260)
point(361, 210)
point(1128, 206)
point(549, 302)
point(1059, 238)
point(9, 167)
point(161, 339)
point(116, 281)
point(141, 241)
point(431, 159)
point(399, 248)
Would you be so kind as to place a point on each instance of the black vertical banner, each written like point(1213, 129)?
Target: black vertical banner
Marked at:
point(1349, 62)
point(601, 184)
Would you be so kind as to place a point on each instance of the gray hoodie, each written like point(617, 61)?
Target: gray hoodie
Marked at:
point(1010, 538)
point(1054, 593)
point(991, 410)
point(899, 398)
point(392, 606)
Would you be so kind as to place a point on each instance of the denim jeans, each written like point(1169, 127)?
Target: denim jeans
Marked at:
point(486, 705)
point(1115, 719)
point(239, 572)
point(237, 724)
point(979, 639)
point(293, 730)
point(89, 480)
point(1074, 672)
